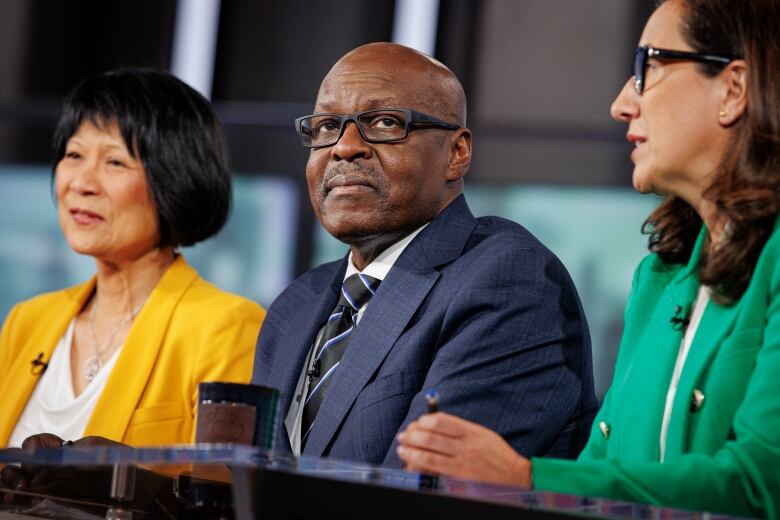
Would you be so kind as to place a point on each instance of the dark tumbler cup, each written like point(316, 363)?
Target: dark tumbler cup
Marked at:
point(236, 413)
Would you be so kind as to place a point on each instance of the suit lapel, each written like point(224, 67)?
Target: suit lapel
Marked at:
point(385, 319)
point(642, 405)
point(644, 383)
point(16, 391)
point(388, 314)
point(136, 361)
point(715, 324)
point(301, 324)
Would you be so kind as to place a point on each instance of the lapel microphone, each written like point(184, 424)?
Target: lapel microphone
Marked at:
point(679, 322)
point(38, 365)
point(314, 373)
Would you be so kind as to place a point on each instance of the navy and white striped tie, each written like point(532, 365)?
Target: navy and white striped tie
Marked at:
point(355, 293)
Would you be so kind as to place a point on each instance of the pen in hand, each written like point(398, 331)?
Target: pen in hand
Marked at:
point(432, 397)
point(430, 482)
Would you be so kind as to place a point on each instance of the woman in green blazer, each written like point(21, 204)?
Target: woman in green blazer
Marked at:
point(692, 418)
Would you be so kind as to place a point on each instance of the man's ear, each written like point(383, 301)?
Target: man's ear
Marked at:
point(735, 92)
point(460, 154)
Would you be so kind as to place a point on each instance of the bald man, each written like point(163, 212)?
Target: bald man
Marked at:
point(428, 298)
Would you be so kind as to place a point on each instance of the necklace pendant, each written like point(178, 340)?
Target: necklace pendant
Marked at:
point(91, 368)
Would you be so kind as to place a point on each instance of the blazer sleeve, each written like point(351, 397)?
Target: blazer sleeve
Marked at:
point(514, 352)
point(227, 346)
point(740, 478)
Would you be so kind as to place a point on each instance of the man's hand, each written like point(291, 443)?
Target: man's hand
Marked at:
point(443, 444)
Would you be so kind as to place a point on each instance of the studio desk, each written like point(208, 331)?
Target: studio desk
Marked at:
point(223, 481)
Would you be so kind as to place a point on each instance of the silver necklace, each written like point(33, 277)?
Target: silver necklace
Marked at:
point(94, 363)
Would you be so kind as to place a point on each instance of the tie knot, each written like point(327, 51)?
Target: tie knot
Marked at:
point(357, 290)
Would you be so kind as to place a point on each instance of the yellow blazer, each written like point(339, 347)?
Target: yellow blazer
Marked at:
point(187, 332)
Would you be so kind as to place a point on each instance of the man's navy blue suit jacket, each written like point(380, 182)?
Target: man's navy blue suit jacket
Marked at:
point(478, 310)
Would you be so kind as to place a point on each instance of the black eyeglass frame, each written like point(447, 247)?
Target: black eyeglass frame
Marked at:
point(411, 117)
point(643, 53)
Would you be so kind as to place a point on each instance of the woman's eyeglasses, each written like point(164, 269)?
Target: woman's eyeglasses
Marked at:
point(644, 53)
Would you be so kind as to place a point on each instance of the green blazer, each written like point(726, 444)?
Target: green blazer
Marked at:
point(723, 442)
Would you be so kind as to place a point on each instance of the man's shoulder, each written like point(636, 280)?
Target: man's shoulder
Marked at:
point(313, 281)
point(319, 273)
point(491, 225)
point(500, 235)
point(500, 253)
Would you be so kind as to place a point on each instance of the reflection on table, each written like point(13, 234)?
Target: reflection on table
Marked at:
point(242, 482)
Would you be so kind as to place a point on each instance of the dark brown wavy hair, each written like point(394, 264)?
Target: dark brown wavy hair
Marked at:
point(745, 188)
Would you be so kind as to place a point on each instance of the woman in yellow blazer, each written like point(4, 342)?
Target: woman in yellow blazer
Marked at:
point(140, 170)
point(692, 419)
point(188, 331)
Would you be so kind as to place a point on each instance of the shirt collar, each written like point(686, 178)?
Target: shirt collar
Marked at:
point(384, 262)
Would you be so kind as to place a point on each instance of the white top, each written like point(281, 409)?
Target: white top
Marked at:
point(378, 269)
point(52, 407)
point(685, 346)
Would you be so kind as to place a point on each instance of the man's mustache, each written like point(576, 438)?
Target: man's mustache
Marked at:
point(354, 168)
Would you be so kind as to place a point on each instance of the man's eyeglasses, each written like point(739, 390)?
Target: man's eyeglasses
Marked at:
point(376, 126)
point(644, 53)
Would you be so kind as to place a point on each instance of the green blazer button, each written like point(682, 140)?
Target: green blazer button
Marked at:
point(604, 427)
point(697, 400)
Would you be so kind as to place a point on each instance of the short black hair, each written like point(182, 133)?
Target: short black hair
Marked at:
point(172, 129)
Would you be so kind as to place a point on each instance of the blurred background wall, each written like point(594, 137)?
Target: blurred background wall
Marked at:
point(539, 75)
